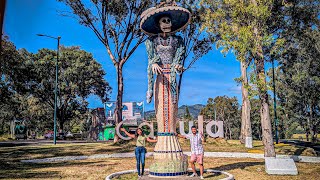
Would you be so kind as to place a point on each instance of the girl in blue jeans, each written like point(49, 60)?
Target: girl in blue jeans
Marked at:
point(140, 150)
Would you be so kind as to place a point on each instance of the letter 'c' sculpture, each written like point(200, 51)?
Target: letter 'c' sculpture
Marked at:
point(165, 54)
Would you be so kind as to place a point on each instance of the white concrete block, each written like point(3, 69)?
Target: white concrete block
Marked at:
point(248, 142)
point(280, 166)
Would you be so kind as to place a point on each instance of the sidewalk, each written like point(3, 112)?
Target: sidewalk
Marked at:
point(308, 159)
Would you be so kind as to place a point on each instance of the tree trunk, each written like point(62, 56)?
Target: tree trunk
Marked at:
point(61, 123)
point(314, 134)
point(226, 132)
point(286, 127)
point(230, 133)
point(267, 137)
point(307, 134)
point(312, 127)
point(118, 110)
point(2, 126)
point(242, 136)
point(246, 130)
point(308, 129)
point(60, 118)
point(12, 128)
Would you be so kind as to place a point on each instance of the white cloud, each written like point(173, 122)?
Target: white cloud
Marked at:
point(235, 89)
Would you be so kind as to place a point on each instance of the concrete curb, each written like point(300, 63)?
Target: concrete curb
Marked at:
point(308, 159)
point(121, 173)
point(230, 176)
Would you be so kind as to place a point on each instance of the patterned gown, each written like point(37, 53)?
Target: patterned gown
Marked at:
point(167, 53)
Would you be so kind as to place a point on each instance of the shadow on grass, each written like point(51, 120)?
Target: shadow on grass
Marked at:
point(14, 170)
point(228, 167)
point(238, 165)
point(124, 149)
point(19, 153)
point(29, 175)
point(299, 151)
point(257, 146)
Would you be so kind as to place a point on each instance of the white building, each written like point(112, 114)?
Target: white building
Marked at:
point(132, 112)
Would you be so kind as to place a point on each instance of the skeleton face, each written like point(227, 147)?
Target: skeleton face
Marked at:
point(165, 24)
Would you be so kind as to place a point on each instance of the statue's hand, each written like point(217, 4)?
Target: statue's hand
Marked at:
point(179, 68)
point(156, 69)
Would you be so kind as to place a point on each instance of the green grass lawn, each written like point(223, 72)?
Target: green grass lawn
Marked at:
point(241, 168)
point(303, 136)
point(12, 168)
point(78, 149)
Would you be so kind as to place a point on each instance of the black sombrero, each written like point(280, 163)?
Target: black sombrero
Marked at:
point(180, 18)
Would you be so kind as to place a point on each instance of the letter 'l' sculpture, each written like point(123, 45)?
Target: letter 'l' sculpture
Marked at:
point(165, 54)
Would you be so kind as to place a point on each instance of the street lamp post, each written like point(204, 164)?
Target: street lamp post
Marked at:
point(55, 89)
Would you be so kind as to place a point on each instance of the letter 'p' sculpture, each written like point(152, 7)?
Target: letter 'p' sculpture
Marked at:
point(165, 54)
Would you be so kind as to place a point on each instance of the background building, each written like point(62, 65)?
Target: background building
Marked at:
point(132, 112)
point(102, 121)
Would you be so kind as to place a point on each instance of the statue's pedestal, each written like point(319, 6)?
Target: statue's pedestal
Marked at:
point(169, 160)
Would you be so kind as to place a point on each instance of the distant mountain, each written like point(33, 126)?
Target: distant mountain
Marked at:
point(193, 109)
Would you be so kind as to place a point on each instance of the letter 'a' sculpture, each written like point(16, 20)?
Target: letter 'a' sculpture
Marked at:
point(165, 54)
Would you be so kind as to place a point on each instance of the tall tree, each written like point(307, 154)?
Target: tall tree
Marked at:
point(197, 42)
point(11, 71)
point(187, 114)
point(27, 88)
point(209, 110)
point(228, 111)
point(116, 25)
point(297, 24)
point(246, 129)
point(300, 82)
point(242, 26)
point(80, 75)
point(256, 119)
point(227, 37)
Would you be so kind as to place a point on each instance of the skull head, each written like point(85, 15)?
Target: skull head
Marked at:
point(165, 24)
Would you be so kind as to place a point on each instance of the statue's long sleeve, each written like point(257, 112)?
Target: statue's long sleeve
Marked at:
point(152, 58)
point(177, 60)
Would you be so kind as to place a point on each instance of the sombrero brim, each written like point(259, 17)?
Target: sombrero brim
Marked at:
point(180, 18)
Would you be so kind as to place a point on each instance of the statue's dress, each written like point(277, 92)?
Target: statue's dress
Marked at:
point(168, 154)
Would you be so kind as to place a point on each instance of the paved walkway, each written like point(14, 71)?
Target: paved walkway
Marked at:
point(206, 154)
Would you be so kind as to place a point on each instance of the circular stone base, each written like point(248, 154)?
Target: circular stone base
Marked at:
point(147, 177)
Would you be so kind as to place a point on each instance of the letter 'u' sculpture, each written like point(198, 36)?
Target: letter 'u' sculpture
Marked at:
point(165, 54)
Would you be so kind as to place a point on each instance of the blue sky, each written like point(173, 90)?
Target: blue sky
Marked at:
point(211, 76)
